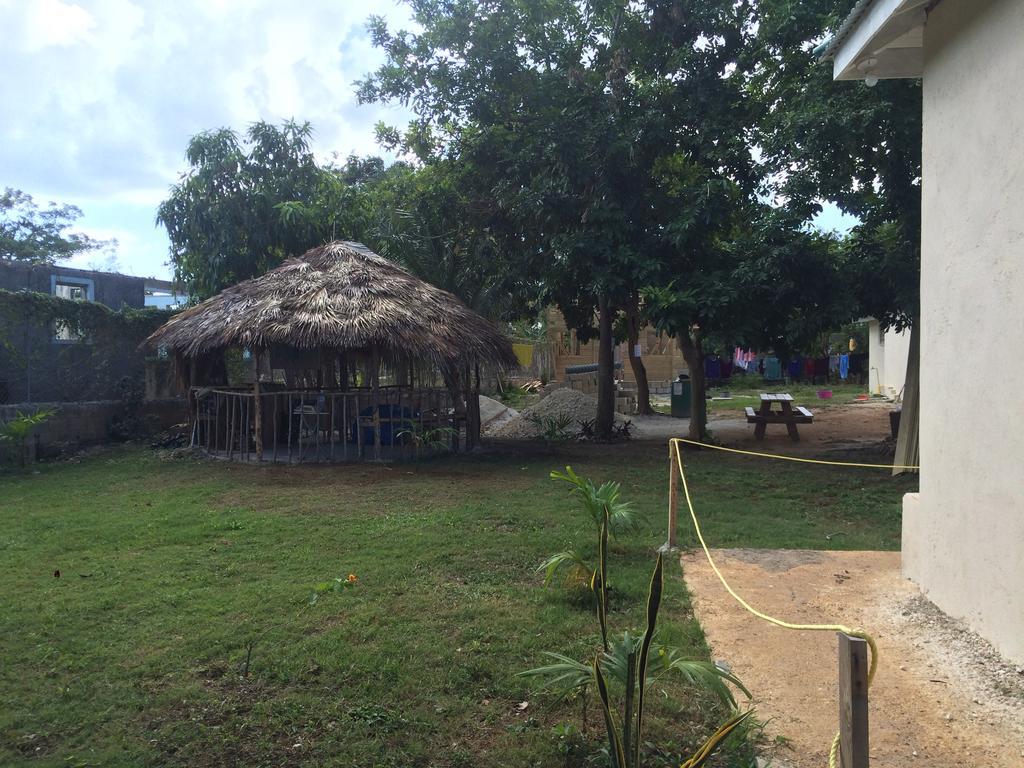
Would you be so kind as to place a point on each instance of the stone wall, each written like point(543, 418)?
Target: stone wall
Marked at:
point(89, 423)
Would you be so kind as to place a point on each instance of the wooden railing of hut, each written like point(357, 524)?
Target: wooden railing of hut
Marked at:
point(299, 426)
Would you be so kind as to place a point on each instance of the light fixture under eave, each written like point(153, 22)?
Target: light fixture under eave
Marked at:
point(865, 66)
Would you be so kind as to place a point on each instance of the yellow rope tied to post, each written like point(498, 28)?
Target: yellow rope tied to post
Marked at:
point(792, 458)
point(833, 755)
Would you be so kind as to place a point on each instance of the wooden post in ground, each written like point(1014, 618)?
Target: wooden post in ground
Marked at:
point(258, 408)
point(853, 701)
point(673, 498)
point(376, 405)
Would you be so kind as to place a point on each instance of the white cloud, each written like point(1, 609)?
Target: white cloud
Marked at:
point(53, 23)
point(102, 96)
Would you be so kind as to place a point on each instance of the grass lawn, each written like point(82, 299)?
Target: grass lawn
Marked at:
point(746, 393)
point(171, 569)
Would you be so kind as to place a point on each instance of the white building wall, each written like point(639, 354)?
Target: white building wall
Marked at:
point(963, 536)
point(888, 353)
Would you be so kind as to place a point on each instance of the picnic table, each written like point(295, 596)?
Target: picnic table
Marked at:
point(787, 414)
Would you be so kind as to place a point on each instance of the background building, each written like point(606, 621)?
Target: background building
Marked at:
point(50, 363)
point(888, 352)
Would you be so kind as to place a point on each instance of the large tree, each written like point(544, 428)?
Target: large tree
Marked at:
point(246, 204)
point(429, 220)
point(35, 235)
point(846, 143)
point(764, 281)
point(586, 111)
point(426, 219)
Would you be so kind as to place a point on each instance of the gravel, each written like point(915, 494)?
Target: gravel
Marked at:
point(561, 402)
point(996, 685)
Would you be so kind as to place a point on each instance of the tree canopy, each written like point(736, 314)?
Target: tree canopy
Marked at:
point(855, 146)
point(35, 235)
point(245, 204)
point(428, 220)
point(651, 161)
point(579, 109)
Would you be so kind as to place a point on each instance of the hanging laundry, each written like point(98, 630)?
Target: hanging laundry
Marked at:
point(809, 368)
point(743, 358)
point(712, 368)
point(821, 368)
point(833, 363)
point(726, 368)
point(737, 359)
point(844, 366)
point(796, 365)
point(858, 365)
point(772, 369)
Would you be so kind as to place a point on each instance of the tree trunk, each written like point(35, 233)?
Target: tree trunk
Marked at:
point(605, 371)
point(907, 443)
point(690, 345)
point(643, 389)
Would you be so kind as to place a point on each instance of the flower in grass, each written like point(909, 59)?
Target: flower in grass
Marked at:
point(352, 578)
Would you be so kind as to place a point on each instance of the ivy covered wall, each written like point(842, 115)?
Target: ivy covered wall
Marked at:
point(54, 349)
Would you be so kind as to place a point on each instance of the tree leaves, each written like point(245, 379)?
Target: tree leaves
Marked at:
point(245, 205)
point(37, 235)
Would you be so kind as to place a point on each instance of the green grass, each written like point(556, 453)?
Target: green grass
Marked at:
point(746, 390)
point(170, 570)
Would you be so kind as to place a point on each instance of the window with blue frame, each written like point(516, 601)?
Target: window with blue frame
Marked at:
point(73, 289)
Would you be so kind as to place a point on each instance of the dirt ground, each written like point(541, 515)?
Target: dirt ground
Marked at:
point(942, 697)
point(837, 429)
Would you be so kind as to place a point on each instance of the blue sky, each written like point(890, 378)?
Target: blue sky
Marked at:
point(101, 97)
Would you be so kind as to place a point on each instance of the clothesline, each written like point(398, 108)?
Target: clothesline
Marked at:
point(835, 366)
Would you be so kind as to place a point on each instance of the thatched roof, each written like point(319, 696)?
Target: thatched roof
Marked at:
point(339, 296)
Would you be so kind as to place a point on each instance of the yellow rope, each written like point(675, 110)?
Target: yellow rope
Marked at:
point(793, 458)
point(833, 755)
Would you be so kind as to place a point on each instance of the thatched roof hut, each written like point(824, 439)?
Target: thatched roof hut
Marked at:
point(346, 348)
point(340, 296)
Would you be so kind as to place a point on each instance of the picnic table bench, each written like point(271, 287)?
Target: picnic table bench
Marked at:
point(788, 414)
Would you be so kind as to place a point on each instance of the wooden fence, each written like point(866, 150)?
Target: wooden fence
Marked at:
point(304, 426)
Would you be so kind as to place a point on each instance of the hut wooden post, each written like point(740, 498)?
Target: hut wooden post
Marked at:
point(375, 374)
point(453, 384)
point(193, 396)
point(473, 410)
point(257, 408)
point(359, 428)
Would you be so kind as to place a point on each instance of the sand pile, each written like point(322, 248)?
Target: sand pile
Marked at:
point(494, 413)
point(560, 403)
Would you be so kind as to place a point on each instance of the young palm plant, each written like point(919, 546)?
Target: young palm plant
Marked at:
point(628, 662)
point(597, 501)
point(623, 517)
point(17, 430)
point(427, 438)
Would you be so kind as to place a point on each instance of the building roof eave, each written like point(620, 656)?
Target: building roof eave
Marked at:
point(879, 39)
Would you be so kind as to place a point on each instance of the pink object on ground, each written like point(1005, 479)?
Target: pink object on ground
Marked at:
point(825, 394)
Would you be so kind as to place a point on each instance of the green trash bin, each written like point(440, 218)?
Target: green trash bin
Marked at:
point(681, 397)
